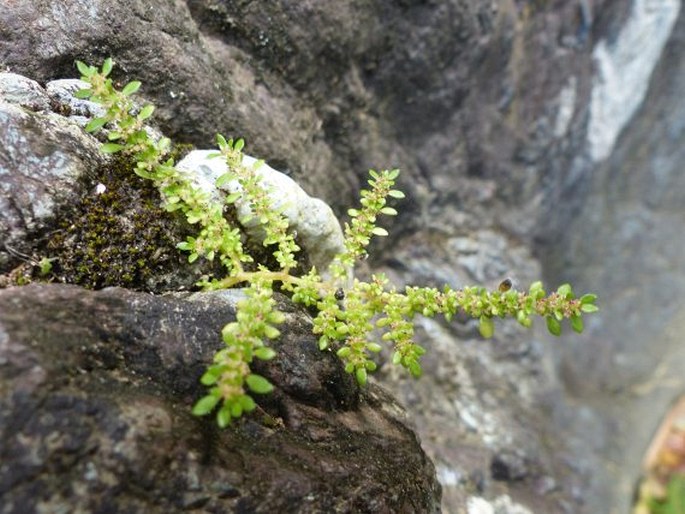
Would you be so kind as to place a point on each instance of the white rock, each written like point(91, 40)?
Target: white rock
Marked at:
point(478, 505)
point(624, 67)
point(62, 92)
point(313, 220)
point(501, 505)
point(567, 105)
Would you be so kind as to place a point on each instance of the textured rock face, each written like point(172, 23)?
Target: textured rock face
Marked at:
point(95, 416)
point(495, 111)
point(630, 366)
point(42, 161)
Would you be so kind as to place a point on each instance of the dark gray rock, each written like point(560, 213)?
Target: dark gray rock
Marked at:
point(490, 109)
point(95, 416)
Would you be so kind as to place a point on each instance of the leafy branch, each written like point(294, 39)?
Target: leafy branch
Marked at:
point(349, 311)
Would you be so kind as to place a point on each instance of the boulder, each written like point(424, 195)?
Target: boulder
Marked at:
point(95, 415)
point(535, 139)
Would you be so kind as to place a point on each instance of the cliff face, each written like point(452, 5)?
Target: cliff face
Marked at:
point(535, 138)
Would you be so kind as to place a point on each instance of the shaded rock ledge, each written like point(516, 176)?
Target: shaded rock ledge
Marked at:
point(96, 390)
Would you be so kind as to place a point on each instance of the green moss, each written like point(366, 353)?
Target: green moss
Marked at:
point(118, 237)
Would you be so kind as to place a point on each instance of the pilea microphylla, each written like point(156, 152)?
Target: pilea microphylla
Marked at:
point(351, 313)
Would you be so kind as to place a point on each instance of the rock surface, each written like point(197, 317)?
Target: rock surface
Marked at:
point(491, 110)
point(43, 160)
point(95, 416)
point(317, 228)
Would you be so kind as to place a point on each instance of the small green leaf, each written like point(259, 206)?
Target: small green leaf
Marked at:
point(236, 409)
point(223, 417)
point(524, 319)
point(212, 375)
point(142, 173)
point(83, 93)
point(486, 327)
point(577, 324)
point(395, 193)
point(565, 291)
point(163, 145)
point(536, 290)
point(388, 211)
point(588, 298)
point(107, 66)
point(131, 88)
point(588, 307)
point(146, 112)
point(111, 148)
point(258, 384)
point(271, 332)
point(374, 347)
point(233, 197)
point(415, 369)
point(393, 174)
point(205, 405)
point(45, 265)
point(361, 376)
point(224, 178)
point(379, 231)
point(553, 325)
point(239, 144)
point(247, 402)
point(86, 71)
point(264, 353)
point(95, 124)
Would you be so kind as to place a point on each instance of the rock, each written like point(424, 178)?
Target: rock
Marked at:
point(62, 91)
point(96, 395)
point(46, 157)
point(24, 92)
point(624, 68)
point(311, 219)
point(503, 117)
point(624, 240)
point(502, 505)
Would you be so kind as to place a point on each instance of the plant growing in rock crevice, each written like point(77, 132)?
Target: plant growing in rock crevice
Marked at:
point(348, 310)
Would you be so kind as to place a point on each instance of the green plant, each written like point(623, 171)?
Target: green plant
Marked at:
point(673, 500)
point(347, 323)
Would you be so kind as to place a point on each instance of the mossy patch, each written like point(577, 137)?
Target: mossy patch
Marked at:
point(117, 234)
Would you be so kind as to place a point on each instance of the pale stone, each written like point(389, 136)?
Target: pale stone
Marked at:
point(22, 91)
point(317, 228)
point(624, 67)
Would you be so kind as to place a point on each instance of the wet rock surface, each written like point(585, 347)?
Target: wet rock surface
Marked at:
point(95, 410)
